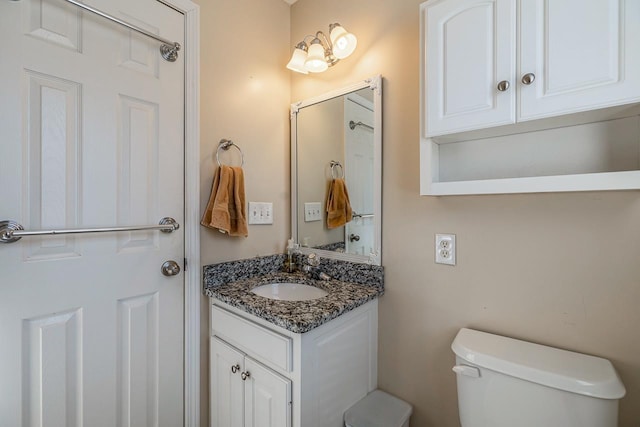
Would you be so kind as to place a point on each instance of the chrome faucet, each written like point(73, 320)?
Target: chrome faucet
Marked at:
point(311, 267)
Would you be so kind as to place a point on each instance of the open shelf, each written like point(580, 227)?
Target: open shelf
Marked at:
point(584, 157)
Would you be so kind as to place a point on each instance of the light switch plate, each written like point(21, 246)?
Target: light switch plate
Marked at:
point(312, 212)
point(260, 213)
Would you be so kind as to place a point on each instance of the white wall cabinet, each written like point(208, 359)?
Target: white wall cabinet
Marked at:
point(470, 48)
point(492, 69)
point(584, 55)
point(297, 380)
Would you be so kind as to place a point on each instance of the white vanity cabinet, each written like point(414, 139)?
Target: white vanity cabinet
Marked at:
point(245, 393)
point(264, 375)
point(491, 69)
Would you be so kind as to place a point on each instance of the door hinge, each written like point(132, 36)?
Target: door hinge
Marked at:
point(185, 264)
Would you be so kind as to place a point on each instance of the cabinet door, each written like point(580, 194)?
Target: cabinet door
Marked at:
point(584, 55)
point(267, 397)
point(468, 48)
point(227, 394)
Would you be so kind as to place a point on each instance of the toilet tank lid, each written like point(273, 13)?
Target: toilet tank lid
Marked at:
point(549, 366)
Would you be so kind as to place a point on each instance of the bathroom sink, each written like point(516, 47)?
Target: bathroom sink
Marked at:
point(289, 292)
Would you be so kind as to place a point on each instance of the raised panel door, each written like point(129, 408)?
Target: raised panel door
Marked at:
point(91, 331)
point(267, 397)
point(584, 55)
point(469, 48)
point(227, 393)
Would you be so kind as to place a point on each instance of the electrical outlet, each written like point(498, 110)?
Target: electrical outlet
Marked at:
point(260, 213)
point(312, 212)
point(446, 249)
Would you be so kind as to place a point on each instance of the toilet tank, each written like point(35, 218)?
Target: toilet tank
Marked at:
point(503, 382)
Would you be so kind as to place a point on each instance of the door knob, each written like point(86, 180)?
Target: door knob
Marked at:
point(235, 368)
point(503, 86)
point(245, 375)
point(354, 238)
point(170, 268)
point(528, 78)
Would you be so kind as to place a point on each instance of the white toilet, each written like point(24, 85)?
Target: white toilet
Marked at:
point(503, 382)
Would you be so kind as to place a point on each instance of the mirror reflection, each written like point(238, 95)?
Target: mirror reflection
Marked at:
point(336, 175)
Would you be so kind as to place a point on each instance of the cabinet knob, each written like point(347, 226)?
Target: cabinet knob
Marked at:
point(235, 368)
point(528, 78)
point(245, 375)
point(503, 86)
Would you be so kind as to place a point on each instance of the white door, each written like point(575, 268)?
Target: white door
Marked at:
point(227, 388)
point(583, 54)
point(91, 127)
point(267, 397)
point(359, 174)
point(469, 49)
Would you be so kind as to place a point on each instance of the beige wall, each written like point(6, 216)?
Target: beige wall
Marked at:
point(560, 269)
point(245, 96)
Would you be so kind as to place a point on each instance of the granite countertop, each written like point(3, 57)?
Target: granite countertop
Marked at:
point(295, 316)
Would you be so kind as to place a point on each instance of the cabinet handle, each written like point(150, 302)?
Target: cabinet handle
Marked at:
point(235, 368)
point(503, 86)
point(528, 78)
point(245, 375)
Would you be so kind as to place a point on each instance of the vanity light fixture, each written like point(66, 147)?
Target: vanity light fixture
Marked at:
point(322, 52)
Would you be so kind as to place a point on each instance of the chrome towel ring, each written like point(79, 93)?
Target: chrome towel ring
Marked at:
point(225, 144)
point(334, 165)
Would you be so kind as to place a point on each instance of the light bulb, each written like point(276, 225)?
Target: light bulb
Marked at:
point(342, 43)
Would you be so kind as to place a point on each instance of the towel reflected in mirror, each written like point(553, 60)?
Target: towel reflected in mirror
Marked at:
point(338, 206)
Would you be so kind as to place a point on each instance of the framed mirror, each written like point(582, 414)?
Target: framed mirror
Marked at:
point(338, 136)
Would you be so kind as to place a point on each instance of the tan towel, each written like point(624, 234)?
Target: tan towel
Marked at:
point(338, 206)
point(226, 210)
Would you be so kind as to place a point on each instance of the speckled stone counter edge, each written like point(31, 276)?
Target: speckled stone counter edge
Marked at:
point(226, 272)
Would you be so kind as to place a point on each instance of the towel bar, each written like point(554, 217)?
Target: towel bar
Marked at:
point(11, 231)
point(352, 125)
point(169, 49)
point(357, 215)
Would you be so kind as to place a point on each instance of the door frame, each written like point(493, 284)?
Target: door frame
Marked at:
point(192, 276)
